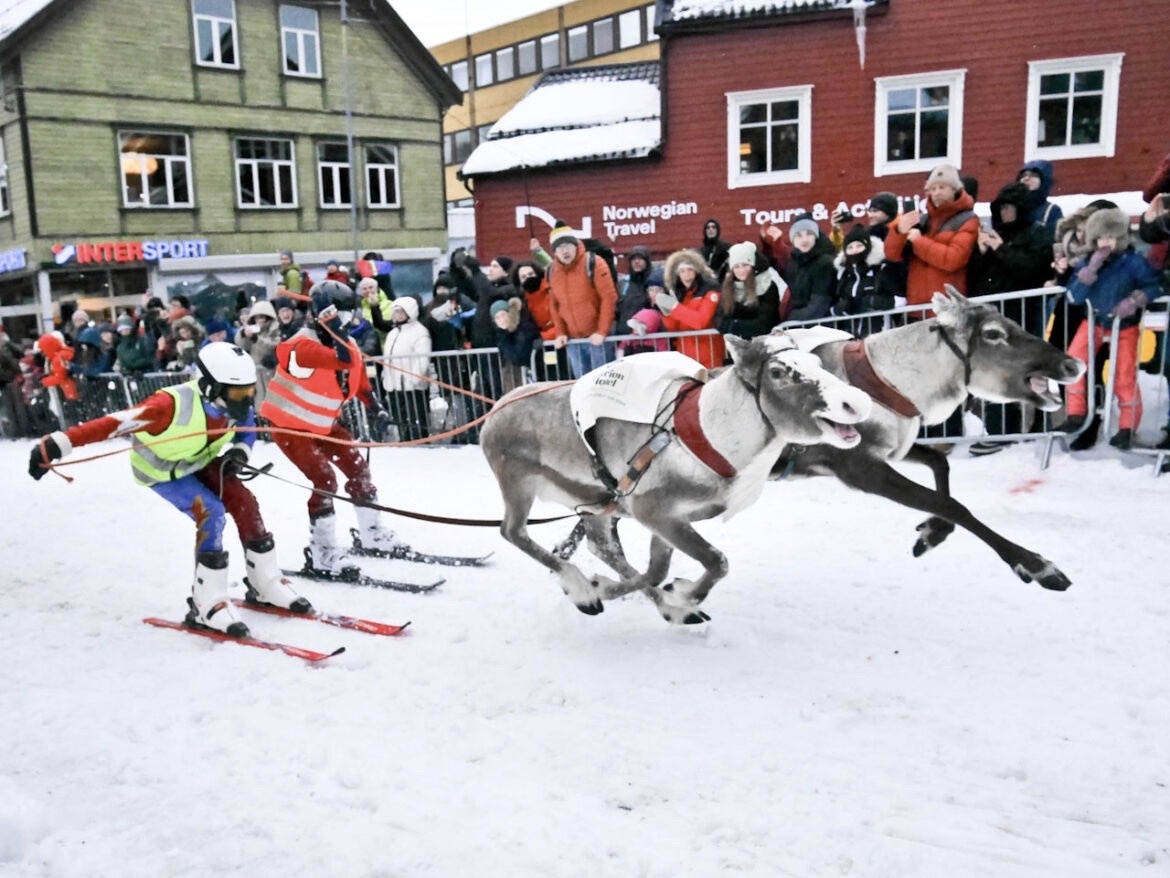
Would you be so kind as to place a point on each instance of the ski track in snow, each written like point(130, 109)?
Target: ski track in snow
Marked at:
point(850, 710)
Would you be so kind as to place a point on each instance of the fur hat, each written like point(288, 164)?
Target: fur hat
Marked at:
point(505, 262)
point(1112, 222)
point(886, 202)
point(947, 174)
point(803, 223)
point(562, 234)
point(742, 253)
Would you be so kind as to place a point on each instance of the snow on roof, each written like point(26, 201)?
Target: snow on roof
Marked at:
point(586, 114)
point(16, 12)
point(686, 10)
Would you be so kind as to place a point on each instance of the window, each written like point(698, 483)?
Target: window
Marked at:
point(526, 58)
point(382, 175)
point(651, 36)
point(299, 36)
point(482, 132)
point(483, 70)
point(578, 43)
point(918, 122)
point(457, 147)
point(1072, 107)
point(505, 64)
point(5, 202)
point(603, 36)
point(265, 173)
point(768, 137)
point(630, 28)
point(458, 74)
point(333, 174)
point(215, 33)
point(550, 51)
point(155, 168)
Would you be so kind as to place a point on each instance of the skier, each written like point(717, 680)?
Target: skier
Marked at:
point(176, 453)
point(318, 370)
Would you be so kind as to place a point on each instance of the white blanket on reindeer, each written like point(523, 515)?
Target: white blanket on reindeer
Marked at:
point(631, 389)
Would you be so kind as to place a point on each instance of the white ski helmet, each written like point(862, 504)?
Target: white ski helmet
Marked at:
point(223, 366)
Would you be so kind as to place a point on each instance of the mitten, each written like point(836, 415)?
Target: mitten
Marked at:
point(232, 461)
point(637, 327)
point(1129, 306)
point(665, 302)
point(37, 460)
point(1088, 273)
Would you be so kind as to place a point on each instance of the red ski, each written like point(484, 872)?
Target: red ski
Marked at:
point(309, 655)
point(352, 623)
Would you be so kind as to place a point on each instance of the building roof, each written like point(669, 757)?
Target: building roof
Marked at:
point(613, 111)
point(680, 13)
point(16, 13)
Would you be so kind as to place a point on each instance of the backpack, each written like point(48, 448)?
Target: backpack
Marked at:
point(593, 249)
point(306, 282)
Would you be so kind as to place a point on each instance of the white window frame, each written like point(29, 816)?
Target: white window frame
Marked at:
point(802, 94)
point(172, 166)
point(214, 21)
point(954, 79)
point(5, 199)
point(256, 165)
point(338, 173)
point(300, 35)
point(380, 169)
point(1111, 65)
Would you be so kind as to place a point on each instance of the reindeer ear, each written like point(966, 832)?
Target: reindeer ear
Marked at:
point(950, 306)
point(736, 346)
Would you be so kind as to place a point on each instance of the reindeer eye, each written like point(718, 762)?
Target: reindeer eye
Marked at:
point(994, 334)
point(775, 371)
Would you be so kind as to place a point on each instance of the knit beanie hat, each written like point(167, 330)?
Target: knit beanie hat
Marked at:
point(656, 279)
point(498, 306)
point(80, 317)
point(744, 253)
point(857, 233)
point(505, 262)
point(126, 322)
point(803, 223)
point(886, 202)
point(562, 234)
point(947, 174)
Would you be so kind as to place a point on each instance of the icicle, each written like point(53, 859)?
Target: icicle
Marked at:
point(859, 27)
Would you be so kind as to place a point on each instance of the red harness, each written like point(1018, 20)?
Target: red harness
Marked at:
point(861, 375)
point(690, 431)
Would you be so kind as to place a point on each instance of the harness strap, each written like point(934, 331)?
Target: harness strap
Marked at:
point(963, 358)
point(690, 431)
point(860, 372)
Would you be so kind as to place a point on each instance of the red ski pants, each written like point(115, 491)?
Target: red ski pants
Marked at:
point(1123, 362)
point(316, 458)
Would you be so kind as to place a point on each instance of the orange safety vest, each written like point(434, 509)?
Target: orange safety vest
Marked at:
point(302, 398)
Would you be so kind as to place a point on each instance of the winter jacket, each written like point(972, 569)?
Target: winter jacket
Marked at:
point(864, 286)
point(746, 315)
point(385, 309)
point(517, 341)
point(581, 307)
point(714, 250)
point(697, 308)
point(938, 257)
point(812, 281)
point(1120, 275)
point(1023, 261)
point(632, 295)
point(261, 346)
point(408, 346)
point(1038, 208)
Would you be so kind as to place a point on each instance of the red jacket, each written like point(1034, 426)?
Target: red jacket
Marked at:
point(540, 307)
point(581, 307)
point(939, 257)
point(305, 393)
point(57, 356)
point(696, 309)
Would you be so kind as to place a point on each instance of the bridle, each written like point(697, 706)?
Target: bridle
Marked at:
point(964, 356)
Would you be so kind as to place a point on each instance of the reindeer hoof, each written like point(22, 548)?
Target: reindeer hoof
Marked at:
point(931, 533)
point(1046, 575)
point(696, 618)
point(591, 609)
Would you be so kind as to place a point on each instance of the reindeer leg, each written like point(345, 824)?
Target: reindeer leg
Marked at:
point(878, 477)
point(518, 499)
point(678, 600)
point(934, 530)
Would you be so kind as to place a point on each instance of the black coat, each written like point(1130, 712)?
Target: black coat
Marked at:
point(812, 281)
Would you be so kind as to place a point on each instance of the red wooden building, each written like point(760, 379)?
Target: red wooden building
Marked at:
point(769, 107)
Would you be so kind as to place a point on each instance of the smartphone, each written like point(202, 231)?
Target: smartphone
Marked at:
point(985, 222)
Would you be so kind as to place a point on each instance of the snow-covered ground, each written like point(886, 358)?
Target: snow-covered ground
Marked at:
point(850, 710)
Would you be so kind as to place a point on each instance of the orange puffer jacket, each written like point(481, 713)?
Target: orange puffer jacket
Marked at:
point(939, 257)
point(581, 307)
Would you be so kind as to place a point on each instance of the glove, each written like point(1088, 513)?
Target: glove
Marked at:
point(1088, 273)
point(37, 460)
point(232, 462)
point(1129, 306)
point(637, 327)
point(665, 302)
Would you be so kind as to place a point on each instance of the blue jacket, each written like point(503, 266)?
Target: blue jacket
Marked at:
point(1122, 274)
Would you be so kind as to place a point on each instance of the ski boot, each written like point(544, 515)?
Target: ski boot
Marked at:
point(210, 606)
point(265, 583)
point(324, 553)
point(375, 535)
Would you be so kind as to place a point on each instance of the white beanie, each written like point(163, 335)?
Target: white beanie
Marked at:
point(947, 174)
point(744, 253)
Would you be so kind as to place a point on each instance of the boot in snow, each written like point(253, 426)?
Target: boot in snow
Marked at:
point(374, 534)
point(265, 583)
point(326, 554)
point(210, 605)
